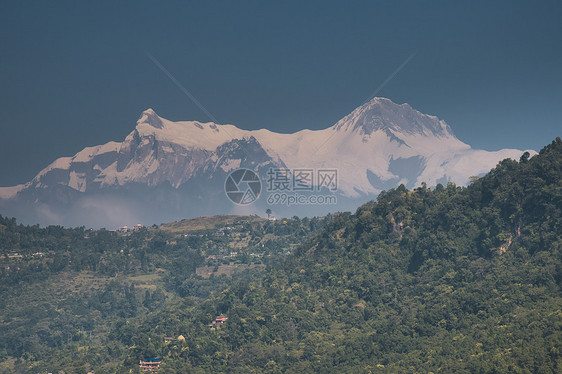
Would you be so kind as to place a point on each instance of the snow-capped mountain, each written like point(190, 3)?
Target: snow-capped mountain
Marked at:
point(167, 170)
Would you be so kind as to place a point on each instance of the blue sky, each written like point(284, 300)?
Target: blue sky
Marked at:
point(75, 74)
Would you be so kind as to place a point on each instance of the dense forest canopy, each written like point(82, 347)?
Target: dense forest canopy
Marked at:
point(449, 279)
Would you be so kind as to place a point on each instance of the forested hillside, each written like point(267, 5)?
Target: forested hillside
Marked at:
point(450, 279)
point(63, 291)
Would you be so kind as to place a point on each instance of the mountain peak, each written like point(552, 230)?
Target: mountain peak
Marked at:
point(383, 114)
point(150, 117)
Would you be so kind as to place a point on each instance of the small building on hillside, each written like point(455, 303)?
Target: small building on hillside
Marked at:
point(150, 364)
point(220, 320)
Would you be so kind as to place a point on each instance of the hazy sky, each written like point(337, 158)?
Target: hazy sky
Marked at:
point(76, 74)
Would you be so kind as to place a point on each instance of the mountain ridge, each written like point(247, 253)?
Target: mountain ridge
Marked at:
point(379, 145)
